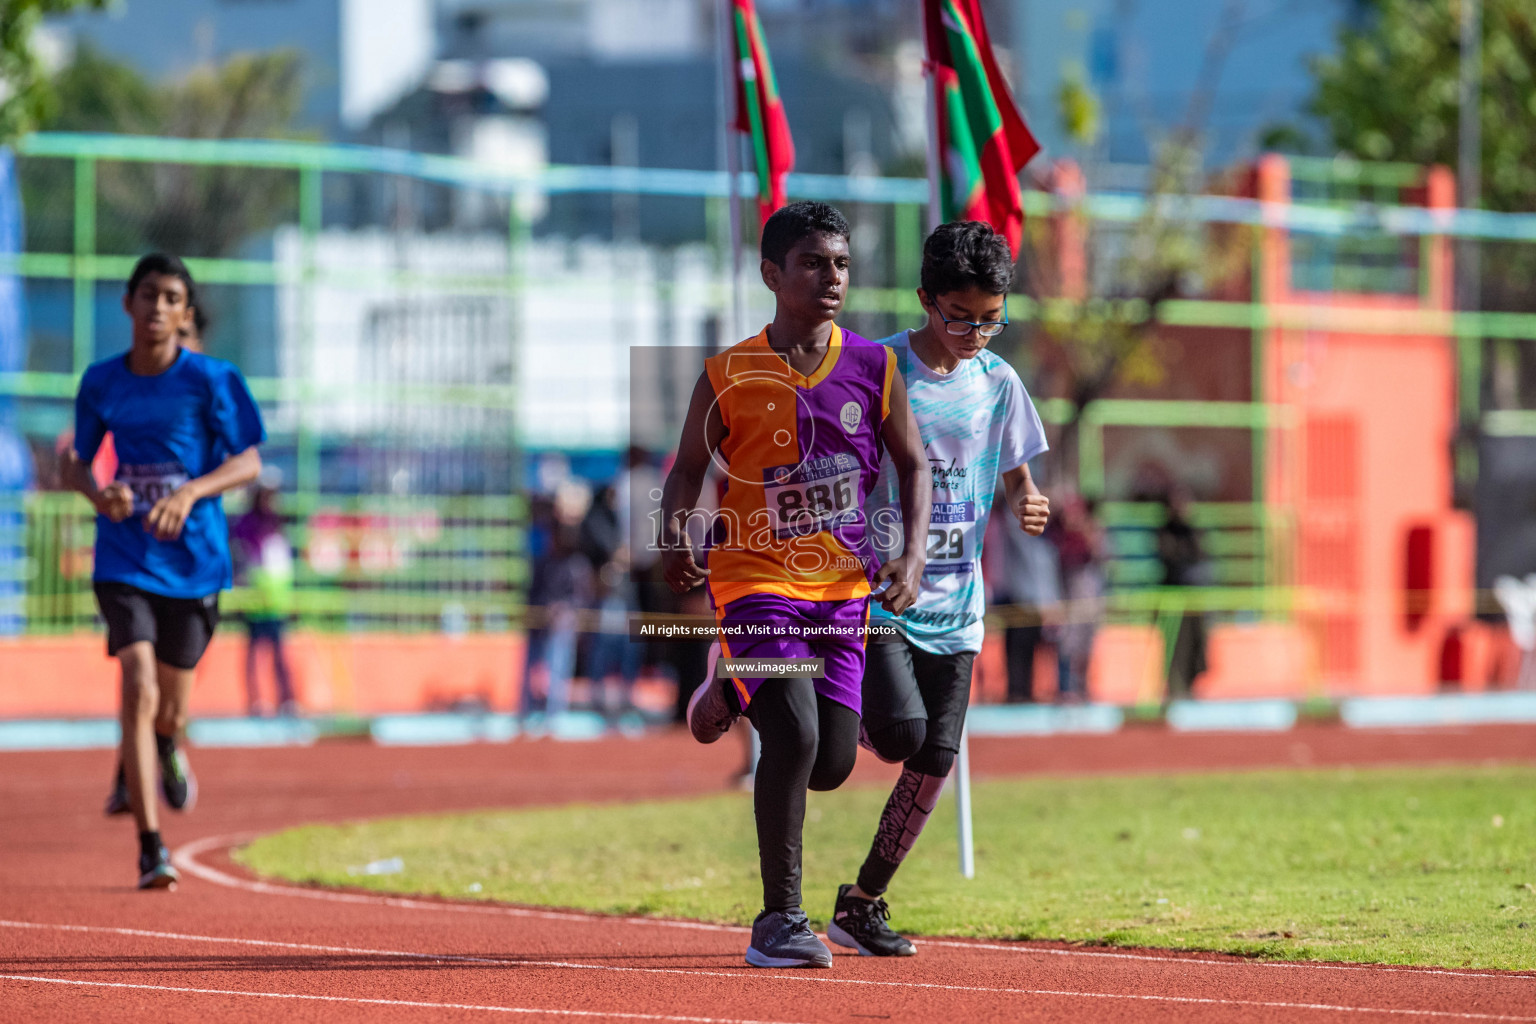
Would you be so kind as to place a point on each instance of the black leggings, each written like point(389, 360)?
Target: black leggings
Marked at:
point(809, 742)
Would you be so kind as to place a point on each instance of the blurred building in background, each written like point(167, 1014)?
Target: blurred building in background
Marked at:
point(630, 82)
point(360, 55)
point(1147, 61)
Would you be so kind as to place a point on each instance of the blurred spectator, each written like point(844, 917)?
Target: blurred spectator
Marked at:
point(611, 653)
point(1080, 548)
point(637, 498)
point(601, 530)
point(1518, 599)
point(541, 525)
point(541, 528)
point(561, 586)
point(193, 331)
point(1028, 588)
point(1184, 565)
point(636, 495)
point(264, 564)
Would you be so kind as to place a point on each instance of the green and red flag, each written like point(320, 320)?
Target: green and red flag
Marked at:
point(759, 111)
point(983, 142)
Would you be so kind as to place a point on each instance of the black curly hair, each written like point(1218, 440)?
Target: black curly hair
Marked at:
point(789, 224)
point(966, 254)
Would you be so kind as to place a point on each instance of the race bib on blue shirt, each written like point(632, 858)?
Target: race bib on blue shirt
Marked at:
point(151, 483)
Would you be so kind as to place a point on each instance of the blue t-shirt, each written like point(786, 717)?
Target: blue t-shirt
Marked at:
point(168, 429)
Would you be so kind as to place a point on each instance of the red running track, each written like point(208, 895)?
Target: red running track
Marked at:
point(78, 943)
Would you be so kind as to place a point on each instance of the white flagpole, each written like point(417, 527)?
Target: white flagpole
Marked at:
point(731, 157)
point(966, 835)
point(963, 805)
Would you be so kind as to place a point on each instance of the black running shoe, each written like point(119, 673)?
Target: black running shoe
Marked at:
point(117, 800)
point(156, 870)
point(177, 783)
point(783, 938)
point(860, 924)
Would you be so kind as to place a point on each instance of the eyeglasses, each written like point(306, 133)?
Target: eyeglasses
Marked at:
point(960, 328)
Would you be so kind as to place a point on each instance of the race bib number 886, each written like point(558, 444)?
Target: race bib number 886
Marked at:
point(813, 496)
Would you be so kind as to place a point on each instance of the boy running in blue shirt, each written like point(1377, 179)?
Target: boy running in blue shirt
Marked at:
point(976, 420)
point(186, 430)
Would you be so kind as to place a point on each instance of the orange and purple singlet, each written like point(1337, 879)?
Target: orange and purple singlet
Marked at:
point(789, 556)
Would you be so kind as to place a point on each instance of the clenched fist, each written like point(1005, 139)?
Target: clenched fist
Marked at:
point(1033, 513)
point(115, 502)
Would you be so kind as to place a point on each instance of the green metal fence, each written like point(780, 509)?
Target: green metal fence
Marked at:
point(405, 478)
point(401, 467)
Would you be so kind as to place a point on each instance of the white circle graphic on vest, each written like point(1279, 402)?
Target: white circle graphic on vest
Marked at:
point(851, 416)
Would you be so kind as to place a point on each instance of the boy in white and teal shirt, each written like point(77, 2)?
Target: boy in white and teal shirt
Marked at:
point(977, 422)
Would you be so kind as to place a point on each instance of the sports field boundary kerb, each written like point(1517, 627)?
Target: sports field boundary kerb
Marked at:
point(992, 720)
point(187, 859)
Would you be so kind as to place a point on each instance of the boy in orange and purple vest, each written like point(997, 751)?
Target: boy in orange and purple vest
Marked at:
point(798, 418)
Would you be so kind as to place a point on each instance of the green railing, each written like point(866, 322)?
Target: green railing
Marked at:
point(389, 539)
point(370, 562)
point(1349, 220)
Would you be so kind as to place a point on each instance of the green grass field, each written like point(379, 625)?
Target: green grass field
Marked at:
point(1424, 866)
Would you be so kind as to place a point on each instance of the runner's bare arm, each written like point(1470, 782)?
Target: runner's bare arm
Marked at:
point(1031, 508)
point(703, 430)
point(904, 442)
point(115, 501)
point(170, 513)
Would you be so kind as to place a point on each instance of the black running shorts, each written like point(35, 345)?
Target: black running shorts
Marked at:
point(178, 627)
point(902, 681)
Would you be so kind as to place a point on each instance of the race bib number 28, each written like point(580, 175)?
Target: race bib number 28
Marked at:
point(816, 495)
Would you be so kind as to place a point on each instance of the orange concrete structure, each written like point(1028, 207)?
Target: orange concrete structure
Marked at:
point(1354, 469)
point(361, 674)
point(1360, 467)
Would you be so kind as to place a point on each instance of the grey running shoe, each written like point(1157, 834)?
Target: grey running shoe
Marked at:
point(177, 783)
point(117, 800)
point(710, 714)
point(783, 938)
point(156, 870)
point(860, 924)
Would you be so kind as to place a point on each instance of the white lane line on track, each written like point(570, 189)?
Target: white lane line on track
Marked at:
point(605, 1014)
point(757, 975)
point(186, 859)
point(1228, 962)
point(186, 856)
point(221, 940)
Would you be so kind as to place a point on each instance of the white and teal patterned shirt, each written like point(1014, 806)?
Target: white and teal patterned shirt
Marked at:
point(977, 421)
